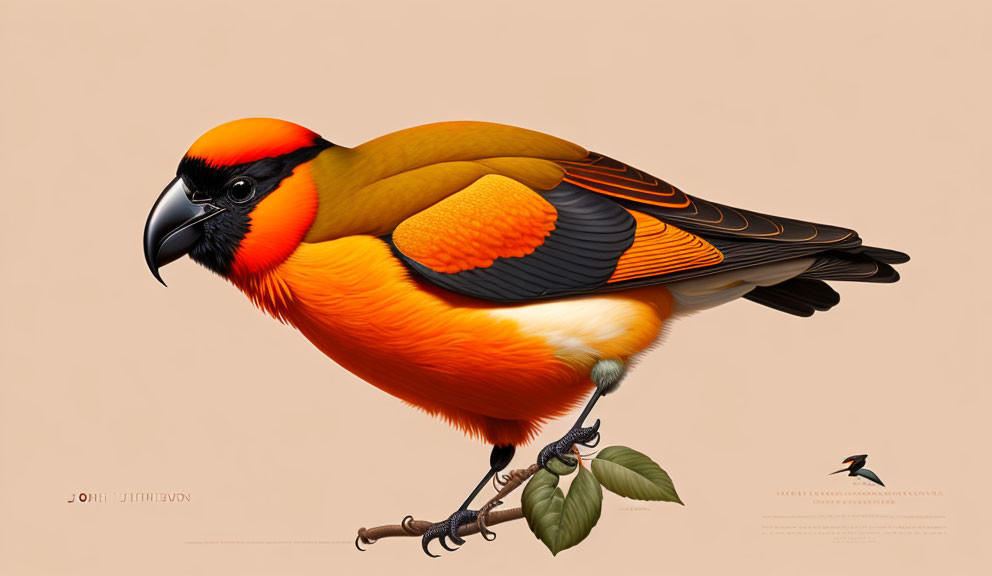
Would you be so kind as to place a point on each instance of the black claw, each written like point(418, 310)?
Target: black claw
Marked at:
point(453, 533)
point(593, 442)
point(423, 544)
point(444, 543)
point(434, 531)
point(448, 529)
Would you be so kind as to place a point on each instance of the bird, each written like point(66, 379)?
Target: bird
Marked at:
point(856, 467)
point(492, 276)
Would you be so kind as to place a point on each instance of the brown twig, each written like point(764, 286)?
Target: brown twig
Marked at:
point(487, 515)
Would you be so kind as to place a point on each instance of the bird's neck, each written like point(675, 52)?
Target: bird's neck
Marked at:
point(340, 282)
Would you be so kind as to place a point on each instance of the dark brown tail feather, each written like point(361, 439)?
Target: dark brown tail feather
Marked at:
point(885, 255)
point(808, 293)
point(797, 296)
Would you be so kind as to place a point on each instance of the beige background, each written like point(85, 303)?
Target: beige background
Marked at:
point(873, 115)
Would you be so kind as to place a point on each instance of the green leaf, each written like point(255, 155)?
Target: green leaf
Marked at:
point(542, 502)
point(631, 474)
point(581, 510)
point(562, 521)
point(560, 468)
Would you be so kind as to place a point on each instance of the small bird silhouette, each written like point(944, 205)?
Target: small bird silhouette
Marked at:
point(856, 467)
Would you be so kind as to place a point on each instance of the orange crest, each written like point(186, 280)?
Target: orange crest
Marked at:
point(250, 139)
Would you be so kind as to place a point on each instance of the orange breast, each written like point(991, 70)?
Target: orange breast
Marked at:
point(449, 355)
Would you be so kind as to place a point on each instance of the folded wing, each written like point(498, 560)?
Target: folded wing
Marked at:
point(524, 227)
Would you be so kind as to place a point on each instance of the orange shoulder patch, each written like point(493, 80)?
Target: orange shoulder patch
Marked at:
point(250, 139)
point(661, 248)
point(495, 217)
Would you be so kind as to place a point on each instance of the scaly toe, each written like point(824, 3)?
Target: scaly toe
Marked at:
point(448, 529)
point(457, 520)
point(564, 448)
point(437, 531)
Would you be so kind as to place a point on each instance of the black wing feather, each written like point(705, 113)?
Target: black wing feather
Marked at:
point(594, 229)
point(746, 238)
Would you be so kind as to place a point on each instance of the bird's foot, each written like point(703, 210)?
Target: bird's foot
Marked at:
point(564, 449)
point(448, 529)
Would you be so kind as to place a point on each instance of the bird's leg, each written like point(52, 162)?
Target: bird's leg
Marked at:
point(498, 460)
point(606, 375)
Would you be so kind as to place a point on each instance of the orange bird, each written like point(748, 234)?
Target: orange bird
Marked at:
point(490, 275)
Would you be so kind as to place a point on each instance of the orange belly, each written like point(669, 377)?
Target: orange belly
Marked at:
point(496, 371)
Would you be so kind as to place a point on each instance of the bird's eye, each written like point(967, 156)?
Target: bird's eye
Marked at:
point(241, 189)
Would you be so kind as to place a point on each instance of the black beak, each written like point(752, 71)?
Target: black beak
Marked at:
point(850, 462)
point(174, 225)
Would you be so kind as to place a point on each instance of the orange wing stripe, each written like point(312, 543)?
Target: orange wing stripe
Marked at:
point(659, 192)
point(661, 248)
point(606, 176)
point(578, 172)
point(646, 198)
point(496, 217)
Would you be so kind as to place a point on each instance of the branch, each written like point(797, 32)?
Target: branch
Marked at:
point(487, 516)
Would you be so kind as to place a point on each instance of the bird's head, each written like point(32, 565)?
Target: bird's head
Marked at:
point(242, 200)
point(852, 461)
